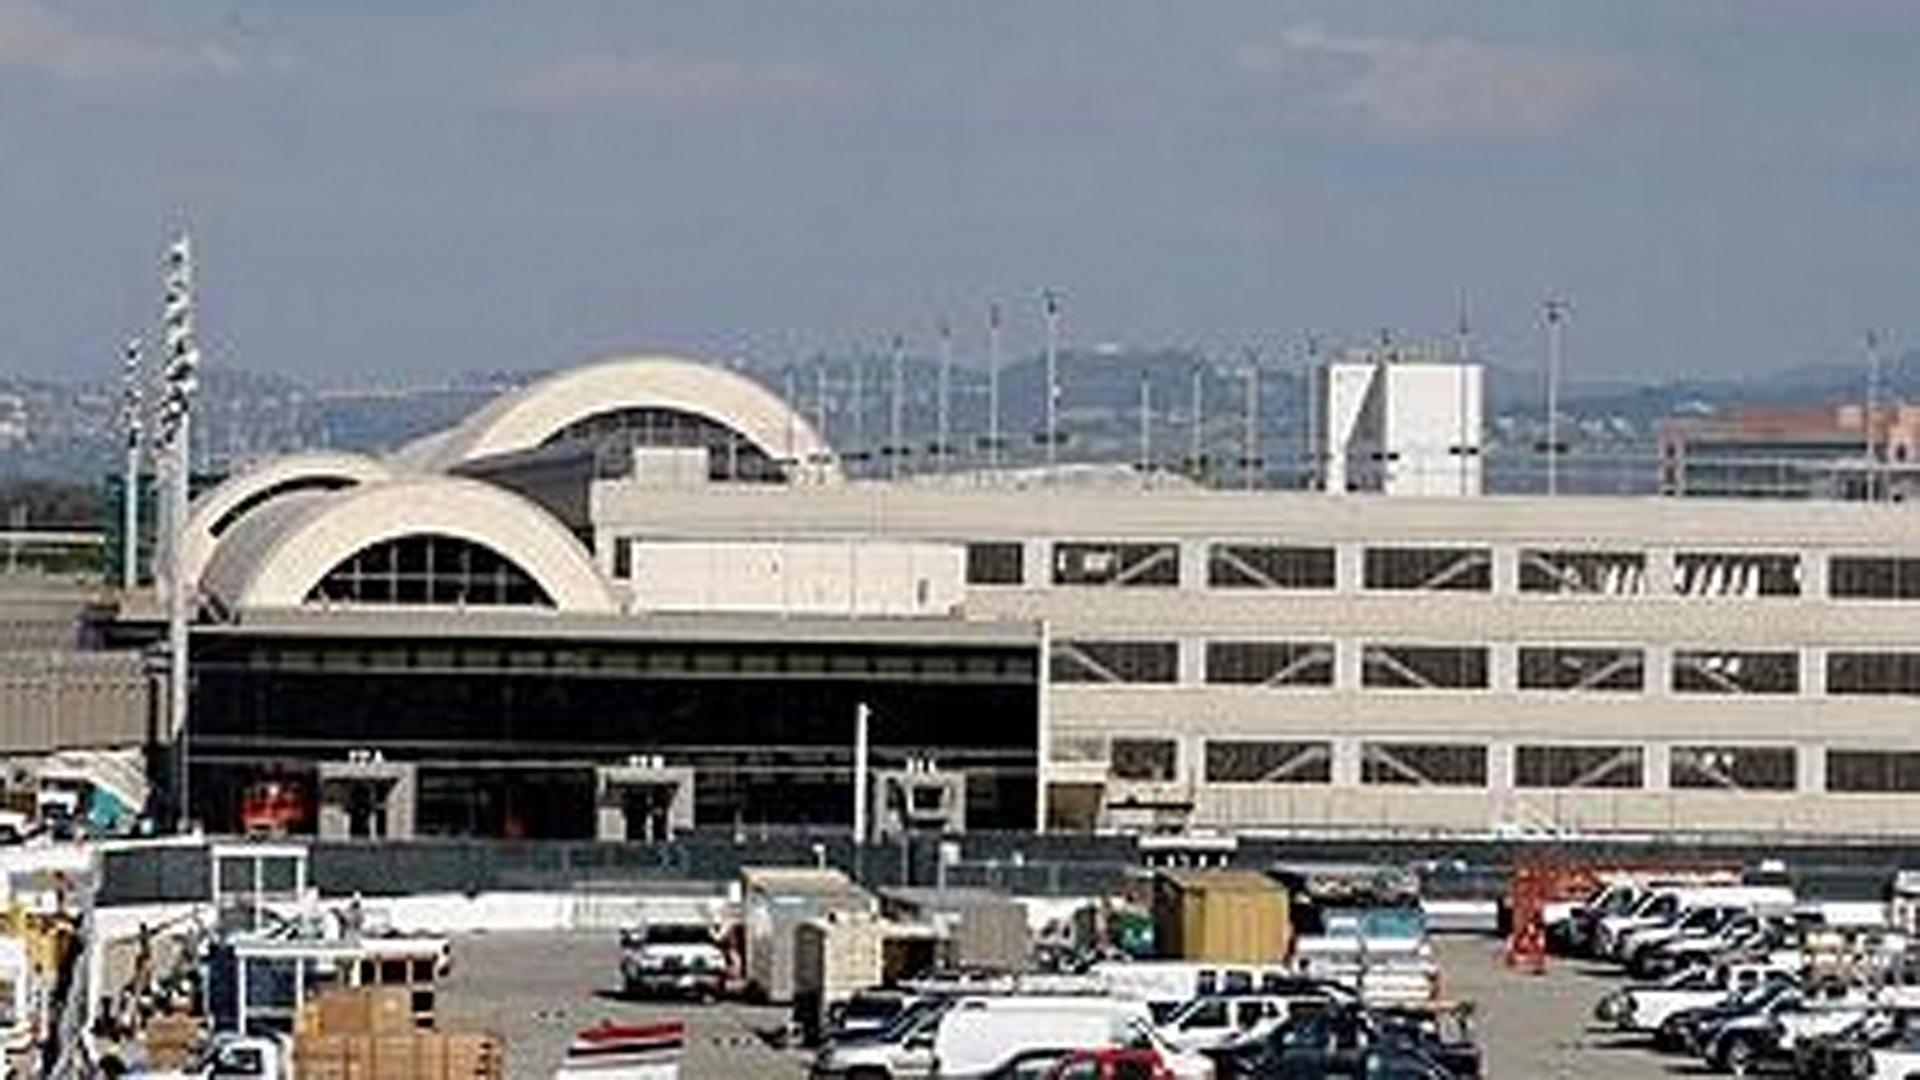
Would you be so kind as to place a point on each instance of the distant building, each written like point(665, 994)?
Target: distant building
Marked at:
point(1816, 452)
point(1401, 425)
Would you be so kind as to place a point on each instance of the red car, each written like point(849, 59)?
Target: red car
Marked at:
point(1111, 1064)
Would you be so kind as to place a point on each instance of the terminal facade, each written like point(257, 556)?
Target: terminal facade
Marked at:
point(641, 594)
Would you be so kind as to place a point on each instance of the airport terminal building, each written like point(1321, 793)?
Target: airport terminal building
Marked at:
point(642, 593)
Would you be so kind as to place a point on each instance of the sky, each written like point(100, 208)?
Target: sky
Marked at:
point(381, 191)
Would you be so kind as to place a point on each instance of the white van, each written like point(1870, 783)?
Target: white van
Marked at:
point(1664, 906)
point(975, 1035)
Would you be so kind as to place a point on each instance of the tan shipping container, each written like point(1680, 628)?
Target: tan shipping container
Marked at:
point(1225, 916)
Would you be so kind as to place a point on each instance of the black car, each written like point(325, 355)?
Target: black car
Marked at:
point(1349, 1042)
point(1685, 1031)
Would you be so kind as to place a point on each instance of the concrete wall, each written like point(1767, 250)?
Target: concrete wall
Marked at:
point(1658, 621)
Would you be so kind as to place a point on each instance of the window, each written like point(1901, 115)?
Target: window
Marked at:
point(1607, 573)
point(1254, 566)
point(1270, 663)
point(1892, 673)
point(995, 563)
point(1424, 764)
point(623, 557)
point(1424, 667)
point(429, 569)
point(1861, 577)
point(1722, 573)
point(1578, 767)
point(1078, 748)
point(1234, 761)
point(1585, 668)
point(1733, 768)
point(1116, 563)
point(1143, 759)
point(1715, 671)
point(1873, 771)
point(1115, 661)
point(1428, 569)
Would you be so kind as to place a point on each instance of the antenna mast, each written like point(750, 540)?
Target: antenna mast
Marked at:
point(1250, 451)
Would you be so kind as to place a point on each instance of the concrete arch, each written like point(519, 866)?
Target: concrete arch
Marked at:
point(216, 512)
point(528, 417)
point(273, 558)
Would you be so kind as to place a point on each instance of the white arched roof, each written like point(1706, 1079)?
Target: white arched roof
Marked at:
point(247, 492)
point(529, 416)
point(274, 558)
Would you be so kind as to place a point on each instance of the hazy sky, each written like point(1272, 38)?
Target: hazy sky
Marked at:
point(410, 186)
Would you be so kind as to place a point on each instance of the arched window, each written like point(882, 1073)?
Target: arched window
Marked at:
point(429, 569)
point(730, 455)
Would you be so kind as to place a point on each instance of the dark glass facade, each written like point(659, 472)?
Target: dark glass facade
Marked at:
point(506, 733)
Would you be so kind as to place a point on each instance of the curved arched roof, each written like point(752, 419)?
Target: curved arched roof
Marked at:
point(528, 417)
point(217, 511)
point(273, 558)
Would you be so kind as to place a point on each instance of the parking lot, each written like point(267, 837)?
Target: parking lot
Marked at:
point(536, 990)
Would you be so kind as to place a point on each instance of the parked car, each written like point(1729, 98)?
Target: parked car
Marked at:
point(1647, 1008)
point(1354, 1042)
point(669, 958)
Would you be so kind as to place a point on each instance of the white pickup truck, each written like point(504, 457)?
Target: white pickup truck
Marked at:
point(1644, 1008)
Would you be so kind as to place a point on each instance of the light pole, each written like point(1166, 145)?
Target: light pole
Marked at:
point(131, 402)
point(182, 379)
point(1052, 302)
point(1556, 313)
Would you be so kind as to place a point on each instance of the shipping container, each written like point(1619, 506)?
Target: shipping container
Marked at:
point(1225, 916)
point(984, 930)
point(842, 952)
point(776, 900)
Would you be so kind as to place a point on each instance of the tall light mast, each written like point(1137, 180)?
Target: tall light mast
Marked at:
point(943, 435)
point(176, 420)
point(1556, 314)
point(897, 417)
point(993, 386)
point(132, 400)
point(1051, 300)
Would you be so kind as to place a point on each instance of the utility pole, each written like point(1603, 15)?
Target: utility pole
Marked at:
point(130, 404)
point(862, 718)
point(1556, 313)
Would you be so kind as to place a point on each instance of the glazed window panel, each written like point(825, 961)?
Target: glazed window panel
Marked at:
point(429, 569)
point(1248, 761)
point(1873, 673)
point(1864, 577)
point(1429, 569)
point(1873, 771)
point(1424, 667)
point(995, 563)
point(1599, 573)
point(1736, 574)
point(1143, 759)
point(1423, 764)
point(1725, 671)
point(1269, 566)
point(1618, 668)
point(1116, 563)
point(1115, 662)
point(1579, 766)
point(1270, 663)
